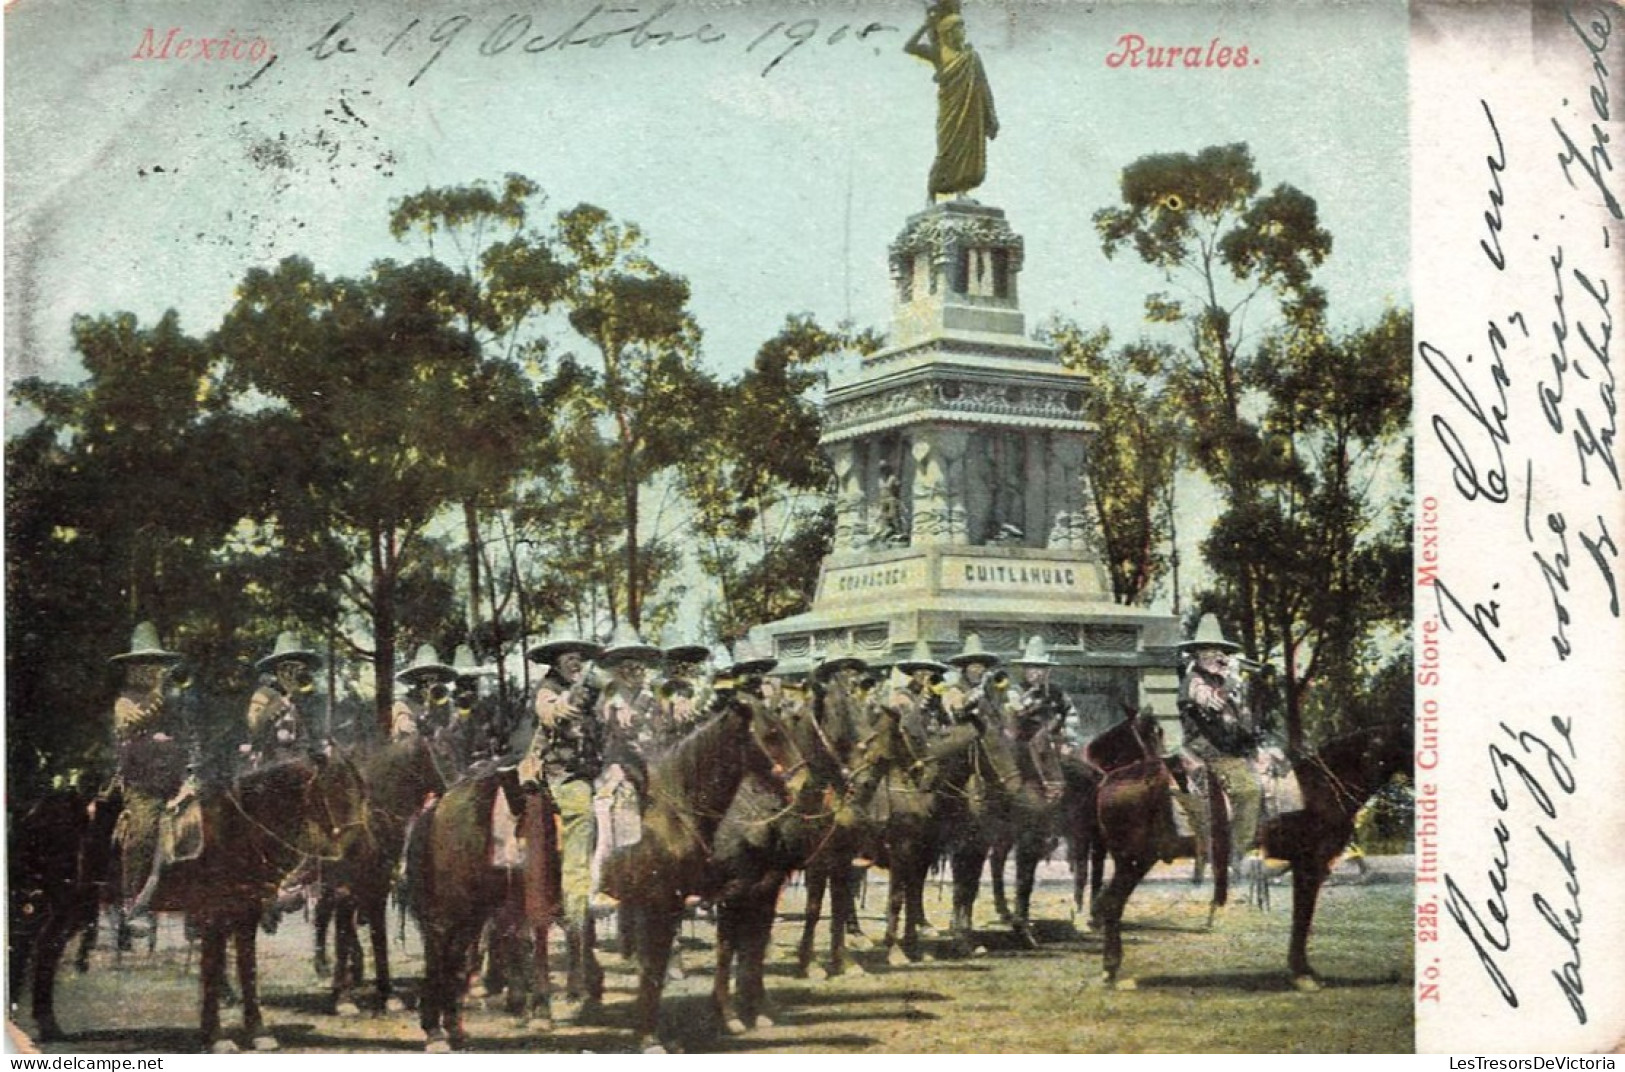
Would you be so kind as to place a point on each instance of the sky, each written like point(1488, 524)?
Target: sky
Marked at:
point(769, 173)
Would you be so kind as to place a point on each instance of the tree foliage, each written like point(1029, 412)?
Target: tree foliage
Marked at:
point(1300, 431)
point(1133, 453)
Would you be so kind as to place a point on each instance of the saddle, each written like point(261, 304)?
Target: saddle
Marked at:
point(180, 831)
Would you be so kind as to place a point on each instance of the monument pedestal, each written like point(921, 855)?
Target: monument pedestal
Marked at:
point(962, 505)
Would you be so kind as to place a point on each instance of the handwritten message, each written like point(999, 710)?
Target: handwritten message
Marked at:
point(524, 36)
point(1522, 412)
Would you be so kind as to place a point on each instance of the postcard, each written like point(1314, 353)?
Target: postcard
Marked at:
point(545, 489)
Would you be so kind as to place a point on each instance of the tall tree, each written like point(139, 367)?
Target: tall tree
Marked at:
point(650, 390)
point(116, 499)
point(1133, 453)
point(1241, 267)
point(358, 377)
point(756, 487)
point(1314, 547)
point(506, 279)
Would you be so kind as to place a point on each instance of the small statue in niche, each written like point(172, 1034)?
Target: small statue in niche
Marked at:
point(889, 508)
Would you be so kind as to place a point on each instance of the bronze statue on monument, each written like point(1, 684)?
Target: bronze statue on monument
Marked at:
point(965, 116)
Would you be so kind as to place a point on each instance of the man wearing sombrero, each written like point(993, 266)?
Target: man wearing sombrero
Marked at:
point(153, 756)
point(425, 709)
point(974, 699)
point(276, 727)
point(1038, 715)
point(1219, 728)
point(565, 756)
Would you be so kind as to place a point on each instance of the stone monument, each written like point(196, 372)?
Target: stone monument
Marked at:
point(961, 500)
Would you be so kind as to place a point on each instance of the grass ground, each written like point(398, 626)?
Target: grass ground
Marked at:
point(1219, 990)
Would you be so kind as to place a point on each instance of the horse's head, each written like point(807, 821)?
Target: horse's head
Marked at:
point(776, 753)
point(333, 804)
point(1365, 759)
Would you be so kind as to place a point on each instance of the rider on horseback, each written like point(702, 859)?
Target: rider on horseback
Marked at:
point(276, 727)
point(1221, 730)
point(976, 698)
point(1037, 716)
point(627, 712)
point(157, 757)
point(564, 757)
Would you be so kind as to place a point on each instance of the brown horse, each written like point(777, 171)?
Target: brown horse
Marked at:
point(691, 788)
point(401, 777)
point(1136, 819)
point(59, 865)
point(1011, 809)
point(455, 890)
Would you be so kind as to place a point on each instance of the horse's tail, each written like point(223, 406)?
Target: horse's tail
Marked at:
point(415, 858)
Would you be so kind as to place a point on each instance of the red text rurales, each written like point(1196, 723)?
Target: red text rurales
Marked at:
point(1133, 51)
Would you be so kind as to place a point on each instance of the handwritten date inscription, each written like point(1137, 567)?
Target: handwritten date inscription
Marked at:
point(638, 29)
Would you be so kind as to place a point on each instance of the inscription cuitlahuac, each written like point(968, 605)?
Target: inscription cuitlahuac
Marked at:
point(960, 575)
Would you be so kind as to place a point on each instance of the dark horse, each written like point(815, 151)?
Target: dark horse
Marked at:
point(1136, 820)
point(691, 788)
point(256, 831)
point(1009, 808)
point(401, 778)
point(454, 889)
point(60, 861)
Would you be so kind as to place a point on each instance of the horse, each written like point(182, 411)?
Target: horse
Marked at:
point(1012, 807)
point(454, 890)
point(60, 863)
point(400, 777)
point(1136, 821)
point(920, 803)
point(690, 790)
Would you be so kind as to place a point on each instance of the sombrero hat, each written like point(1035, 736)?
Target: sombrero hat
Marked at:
point(549, 650)
point(144, 648)
point(627, 645)
point(838, 658)
point(676, 652)
point(1209, 634)
point(1035, 654)
point(748, 660)
point(426, 666)
point(288, 649)
point(973, 652)
point(920, 659)
point(463, 662)
point(793, 668)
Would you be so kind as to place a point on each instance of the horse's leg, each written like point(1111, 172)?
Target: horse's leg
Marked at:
point(997, 856)
point(348, 969)
point(49, 945)
point(916, 895)
point(897, 905)
point(377, 910)
point(1097, 876)
point(1308, 875)
point(843, 914)
point(1126, 875)
point(438, 969)
point(1029, 850)
point(540, 1005)
point(729, 915)
point(324, 918)
point(966, 866)
point(855, 882)
point(211, 978)
point(656, 931)
point(757, 934)
point(815, 879)
point(245, 939)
